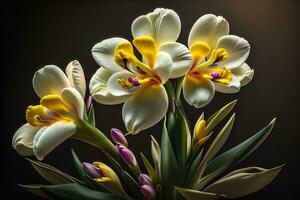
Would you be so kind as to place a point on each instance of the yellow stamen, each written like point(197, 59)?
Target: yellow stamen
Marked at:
point(125, 83)
point(225, 75)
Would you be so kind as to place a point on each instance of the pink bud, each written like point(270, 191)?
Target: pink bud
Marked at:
point(126, 155)
point(144, 179)
point(92, 170)
point(89, 101)
point(148, 192)
point(118, 136)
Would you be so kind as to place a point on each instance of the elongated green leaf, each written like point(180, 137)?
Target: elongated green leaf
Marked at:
point(190, 194)
point(216, 145)
point(151, 171)
point(52, 174)
point(195, 164)
point(156, 155)
point(218, 116)
point(91, 115)
point(91, 183)
point(235, 155)
point(169, 168)
point(159, 195)
point(36, 189)
point(74, 191)
point(247, 180)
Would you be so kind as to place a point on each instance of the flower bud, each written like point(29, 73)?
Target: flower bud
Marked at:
point(148, 192)
point(144, 179)
point(89, 101)
point(118, 137)
point(92, 170)
point(127, 155)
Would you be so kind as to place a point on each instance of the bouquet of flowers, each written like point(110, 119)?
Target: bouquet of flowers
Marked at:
point(148, 75)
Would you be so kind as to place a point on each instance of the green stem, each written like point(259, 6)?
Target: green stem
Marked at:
point(91, 135)
point(178, 88)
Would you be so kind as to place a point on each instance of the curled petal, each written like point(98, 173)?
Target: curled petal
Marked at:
point(161, 24)
point(181, 58)
point(103, 53)
point(145, 108)
point(233, 87)
point(238, 50)
point(198, 92)
point(244, 73)
point(208, 28)
point(22, 140)
point(74, 98)
point(116, 88)
point(49, 80)
point(48, 138)
point(99, 90)
point(163, 66)
point(76, 76)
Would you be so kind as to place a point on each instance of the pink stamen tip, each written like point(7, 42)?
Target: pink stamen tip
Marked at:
point(214, 75)
point(130, 79)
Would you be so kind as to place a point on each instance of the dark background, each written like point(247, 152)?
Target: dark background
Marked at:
point(34, 34)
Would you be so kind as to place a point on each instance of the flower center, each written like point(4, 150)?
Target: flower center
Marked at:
point(221, 75)
point(133, 82)
point(52, 109)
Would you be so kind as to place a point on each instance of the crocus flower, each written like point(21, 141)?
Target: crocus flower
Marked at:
point(139, 84)
point(55, 119)
point(218, 61)
point(127, 155)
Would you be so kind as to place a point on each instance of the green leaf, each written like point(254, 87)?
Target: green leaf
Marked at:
point(91, 183)
point(52, 174)
point(247, 180)
point(218, 116)
point(91, 115)
point(235, 155)
point(190, 194)
point(36, 189)
point(151, 171)
point(169, 167)
point(195, 164)
point(74, 191)
point(156, 154)
point(182, 140)
point(214, 148)
point(158, 191)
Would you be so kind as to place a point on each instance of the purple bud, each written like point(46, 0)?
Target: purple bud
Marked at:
point(92, 170)
point(89, 101)
point(214, 75)
point(148, 192)
point(126, 155)
point(144, 179)
point(118, 136)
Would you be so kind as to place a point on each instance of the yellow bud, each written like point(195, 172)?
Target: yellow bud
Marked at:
point(199, 131)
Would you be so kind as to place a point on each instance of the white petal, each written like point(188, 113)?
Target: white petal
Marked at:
point(76, 76)
point(163, 66)
point(208, 28)
point(103, 53)
point(99, 90)
point(233, 87)
point(49, 80)
point(146, 108)
point(74, 98)
point(48, 138)
point(198, 92)
point(244, 74)
point(142, 26)
point(166, 25)
point(116, 89)
point(22, 140)
point(238, 49)
point(181, 58)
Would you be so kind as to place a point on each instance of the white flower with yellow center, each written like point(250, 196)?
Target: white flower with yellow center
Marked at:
point(139, 84)
point(56, 118)
point(218, 61)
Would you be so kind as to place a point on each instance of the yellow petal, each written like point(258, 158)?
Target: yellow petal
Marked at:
point(34, 116)
point(147, 47)
point(204, 139)
point(57, 105)
point(124, 50)
point(199, 50)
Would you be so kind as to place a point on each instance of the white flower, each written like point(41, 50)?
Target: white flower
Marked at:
point(55, 119)
point(139, 84)
point(218, 61)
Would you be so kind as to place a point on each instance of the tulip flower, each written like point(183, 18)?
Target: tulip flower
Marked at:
point(139, 84)
point(127, 155)
point(118, 137)
point(60, 115)
point(218, 61)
